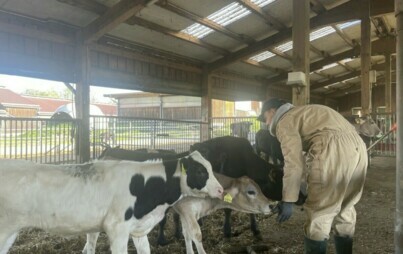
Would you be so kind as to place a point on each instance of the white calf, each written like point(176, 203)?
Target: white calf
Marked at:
point(118, 197)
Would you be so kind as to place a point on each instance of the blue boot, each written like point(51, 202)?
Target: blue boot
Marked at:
point(315, 247)
point(344, 245)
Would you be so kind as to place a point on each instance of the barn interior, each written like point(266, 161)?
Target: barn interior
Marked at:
point(345, 54)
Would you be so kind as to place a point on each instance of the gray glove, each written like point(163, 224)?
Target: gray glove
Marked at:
point(285, 211)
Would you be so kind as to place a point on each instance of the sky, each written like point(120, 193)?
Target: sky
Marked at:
point(20, 84)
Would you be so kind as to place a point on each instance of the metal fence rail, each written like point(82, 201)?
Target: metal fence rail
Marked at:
point(387, 147)
point(40, 140)
point(53, 141)
point(245, 127)
point(135, 133)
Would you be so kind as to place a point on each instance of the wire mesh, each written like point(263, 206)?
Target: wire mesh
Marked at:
point(135, 133)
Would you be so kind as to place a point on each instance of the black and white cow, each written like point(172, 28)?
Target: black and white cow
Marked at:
point(235, 157)
point(268, 147)
point(240, 129)
point(121, 198)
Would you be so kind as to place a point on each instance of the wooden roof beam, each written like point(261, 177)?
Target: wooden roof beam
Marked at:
point(254, 8)
point(113, 17)
point(89, 5)
point(178, 35)
point(204, 21)
point(317, 6)
point(336, 80)
point(280, 54)
point(355, 87)
point(344, 12)
point(344, 36)
point(263, 66)
point(379, 47)
point(344, 77)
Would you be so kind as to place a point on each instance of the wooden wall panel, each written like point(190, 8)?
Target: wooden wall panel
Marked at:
point(235, 89)
point(126, 72)
point(349, 101)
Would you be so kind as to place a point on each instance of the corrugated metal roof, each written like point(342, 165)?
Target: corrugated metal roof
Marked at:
point(233, 16)
point(223, 17)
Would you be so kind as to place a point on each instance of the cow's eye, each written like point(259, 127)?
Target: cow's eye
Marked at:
point(251, 192)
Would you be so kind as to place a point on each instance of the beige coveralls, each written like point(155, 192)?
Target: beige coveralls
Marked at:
point(336, 167)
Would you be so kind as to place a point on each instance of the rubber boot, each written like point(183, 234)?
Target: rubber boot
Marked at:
point(315, 247)
point(344, 245)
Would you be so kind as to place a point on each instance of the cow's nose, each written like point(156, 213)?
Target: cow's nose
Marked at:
point(274, 208)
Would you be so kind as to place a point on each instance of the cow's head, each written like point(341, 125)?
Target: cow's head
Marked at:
point(197, 177)
point(246, 196)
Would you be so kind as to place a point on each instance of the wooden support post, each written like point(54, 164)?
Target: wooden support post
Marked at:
point(206, 106)
point(83, 102)
point(388, 84)
point(300, 38)
point(399, 136)
point(365, 57)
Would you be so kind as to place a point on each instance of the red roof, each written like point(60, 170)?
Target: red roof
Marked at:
point(108, 109)
point(47, 104)
point(10, 97)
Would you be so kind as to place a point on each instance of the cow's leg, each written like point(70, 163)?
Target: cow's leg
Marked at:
point(161, 235)
point(91, 243)
point(142, 245)
point(253, 226)
point(227, 223)
point(177, 228)
point(118, 236)
point(188, 239)
point(6, 241)
point(194, 232)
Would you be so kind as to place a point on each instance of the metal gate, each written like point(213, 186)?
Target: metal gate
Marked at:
point(386, 147)
point(40, 140)
point(133, 133)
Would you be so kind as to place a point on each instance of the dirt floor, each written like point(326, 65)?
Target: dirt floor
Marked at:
point(374, 231)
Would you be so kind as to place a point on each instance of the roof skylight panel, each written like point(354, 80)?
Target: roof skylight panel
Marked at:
point(321, 33)
point(262, 3)
point(262, 56)
point(328, 66)
point(229, 14)
point(348, 24)
point(223, 17)
point(197, 30)
point(284, 47)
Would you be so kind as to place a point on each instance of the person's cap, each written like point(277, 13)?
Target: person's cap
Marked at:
point(269, 104)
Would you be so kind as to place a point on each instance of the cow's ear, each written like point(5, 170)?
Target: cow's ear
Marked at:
point(203, 150)
point(272, 176)
point(275, 175)
point(184, 163)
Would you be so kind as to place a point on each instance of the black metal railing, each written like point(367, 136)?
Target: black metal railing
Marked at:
point(245, 127)
point(54, 141)
point(135, 133)
point(40, 140)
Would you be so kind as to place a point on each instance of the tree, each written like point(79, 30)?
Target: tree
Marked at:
point(64, 94)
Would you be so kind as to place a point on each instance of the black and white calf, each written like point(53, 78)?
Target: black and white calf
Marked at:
point(118, 197)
